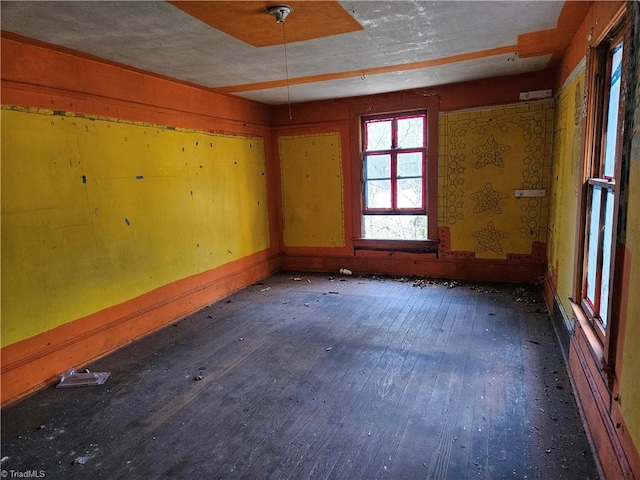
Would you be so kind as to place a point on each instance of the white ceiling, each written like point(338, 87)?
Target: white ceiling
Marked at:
point(157, 37)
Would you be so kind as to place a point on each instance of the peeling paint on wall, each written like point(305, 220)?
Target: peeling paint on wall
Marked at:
point(143, 205)
point(564, 186)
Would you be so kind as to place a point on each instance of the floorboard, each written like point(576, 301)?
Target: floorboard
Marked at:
point(313, 377)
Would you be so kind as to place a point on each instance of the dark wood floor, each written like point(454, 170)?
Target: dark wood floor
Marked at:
point(350, 378)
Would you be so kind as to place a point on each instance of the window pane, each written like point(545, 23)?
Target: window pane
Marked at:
point(395, 227)
point(409, 164)
point(378, 135)
point(377, 166)
point(378, 194)
point(409, 193)
point(607, 245)
point(411, 132)
point(612, 115)
point(593, 235)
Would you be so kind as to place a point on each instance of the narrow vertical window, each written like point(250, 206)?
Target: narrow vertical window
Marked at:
point(602, 182)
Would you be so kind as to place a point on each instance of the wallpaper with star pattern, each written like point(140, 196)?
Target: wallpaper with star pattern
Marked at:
point(485, 155)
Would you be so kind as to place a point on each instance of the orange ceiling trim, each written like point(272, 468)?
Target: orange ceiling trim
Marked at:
point(249, 22)
point(372, 71)
point(555, 40)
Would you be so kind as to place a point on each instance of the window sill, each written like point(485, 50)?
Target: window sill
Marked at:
point(410, 246)
point(594, 342)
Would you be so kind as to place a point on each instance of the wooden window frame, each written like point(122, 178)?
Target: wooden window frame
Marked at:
point(403, 105)
point(394, 151)
point(602, 339)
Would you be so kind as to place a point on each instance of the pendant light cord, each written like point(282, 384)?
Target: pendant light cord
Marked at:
point(286, 67)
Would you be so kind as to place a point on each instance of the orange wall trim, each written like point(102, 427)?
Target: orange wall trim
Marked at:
point(608, 433)
point(420, 265)
point(451, 97)
point(597, 20)
point(557, 39)
point(606, 443)
point(38, 361)
point(76, 83)
point(370, 71)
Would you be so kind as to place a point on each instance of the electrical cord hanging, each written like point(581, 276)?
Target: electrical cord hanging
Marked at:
point(280, 13)
point(286, 67)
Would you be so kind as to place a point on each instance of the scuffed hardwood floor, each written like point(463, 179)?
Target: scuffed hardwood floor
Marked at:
point(344, 378)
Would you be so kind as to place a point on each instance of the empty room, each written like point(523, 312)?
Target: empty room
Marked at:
point(320, 239)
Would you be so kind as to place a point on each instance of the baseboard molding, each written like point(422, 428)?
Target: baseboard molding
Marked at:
point(563, 325)
point(606, 444)
point(588, 388)
point(420, 265)
point(38, 361)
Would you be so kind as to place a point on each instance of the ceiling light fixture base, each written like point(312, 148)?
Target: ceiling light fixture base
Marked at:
point(280, 12)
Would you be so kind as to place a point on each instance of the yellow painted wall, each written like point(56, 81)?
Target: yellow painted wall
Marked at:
point(565, 184)
point(484, 156)
point(96, 212)
point(312, 190)
point(630, 375)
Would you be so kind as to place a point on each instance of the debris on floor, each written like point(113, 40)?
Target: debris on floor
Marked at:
point(183, 355)
point(266, 289)
point(425, 282)
point(484, 289)
point(346, 271)
point(72, 378)
point(518, 294)
point(522, 294)
point(81, 460)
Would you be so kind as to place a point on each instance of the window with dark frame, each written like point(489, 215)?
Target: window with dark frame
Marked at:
point(608, 67)
point(394, 176)
point(601, 188)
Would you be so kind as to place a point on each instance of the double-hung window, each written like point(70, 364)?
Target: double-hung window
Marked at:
point(394, 176)
point(602, 188)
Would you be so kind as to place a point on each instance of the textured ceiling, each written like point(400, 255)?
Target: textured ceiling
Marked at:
point(374, 47)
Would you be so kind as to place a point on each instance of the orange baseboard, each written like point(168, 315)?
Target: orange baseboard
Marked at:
point(420, 265)
point(38, 361)
point(606, 444)
point(611, 442)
